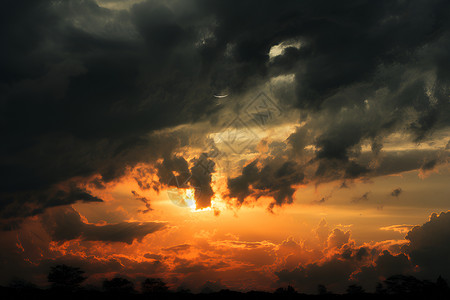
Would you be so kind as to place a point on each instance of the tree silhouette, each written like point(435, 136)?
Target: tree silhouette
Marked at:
point(379, 289)
point(289, 290)
point(355, 289)
point(154, 286)
point(23, 285)
point(65, 277)
point(183, 290)
point(402, 285)
point(322, 290)
point(442, 285)
point(118, 285)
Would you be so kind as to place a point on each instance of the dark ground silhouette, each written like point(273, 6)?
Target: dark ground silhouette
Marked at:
point(66, 284)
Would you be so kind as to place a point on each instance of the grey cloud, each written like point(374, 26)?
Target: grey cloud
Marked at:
point(175, 171)
point(275, 179)
point(82, 86)
point(363, 265)
point(384, 266)
point(429, 165)
point(65, 224)
point(338, 238)
point(201, 178)
point(334, 274)
point(79, 98)
point(392, 162)
point(239, 187)
point(429, 245)
point(12, 207)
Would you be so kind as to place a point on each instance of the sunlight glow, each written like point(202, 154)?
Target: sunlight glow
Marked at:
point(188, 197)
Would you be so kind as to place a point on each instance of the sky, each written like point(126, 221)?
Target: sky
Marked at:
point(220, 144)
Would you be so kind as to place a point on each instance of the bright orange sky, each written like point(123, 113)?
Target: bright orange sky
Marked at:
point(243, 247)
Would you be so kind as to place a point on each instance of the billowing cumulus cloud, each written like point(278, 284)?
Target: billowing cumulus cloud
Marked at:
point(275, 179)
point(423, 256)
point(302, 263)
point(428, 245)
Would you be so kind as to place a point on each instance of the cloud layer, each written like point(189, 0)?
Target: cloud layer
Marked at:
point(83, 85)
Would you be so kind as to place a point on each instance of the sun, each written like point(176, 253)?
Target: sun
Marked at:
point(189, 199)
point(185, 198)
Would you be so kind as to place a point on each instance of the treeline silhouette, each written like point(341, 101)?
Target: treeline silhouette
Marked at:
point(66, 283)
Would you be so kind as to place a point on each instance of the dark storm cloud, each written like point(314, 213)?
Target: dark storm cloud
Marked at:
point(174, 171)
point(392, 162)
point(425, 255)
point(375, 163)
point(185, 266)
point(65, 224)
point(348, 263)
point(275, 179)
point(330, 169)
point(429, 165)
point(239, 187)
point(82, 86)
point(362, 252)
point(201, 179)
point(35, 201)
point(429, 245)
point(384, 266)
point(358, 74)
point(334, 274)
